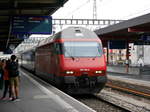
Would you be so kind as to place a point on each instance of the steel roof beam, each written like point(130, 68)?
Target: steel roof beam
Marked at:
point(6, 6)
point(85, 21)
point(138, 30)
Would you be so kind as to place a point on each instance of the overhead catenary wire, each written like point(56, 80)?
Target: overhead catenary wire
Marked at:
point(78, 8)
point(138, 12)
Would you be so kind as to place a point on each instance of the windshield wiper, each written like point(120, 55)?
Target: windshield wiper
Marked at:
point(73, 58)
point(97, 54)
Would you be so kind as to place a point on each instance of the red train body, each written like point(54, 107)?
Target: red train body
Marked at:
point(72, 59)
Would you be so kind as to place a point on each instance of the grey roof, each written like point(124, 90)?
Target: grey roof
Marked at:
point(141, 21)
point(78, 32)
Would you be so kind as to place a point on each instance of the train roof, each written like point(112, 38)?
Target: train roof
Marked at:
point(76, 32)
point(71, 33)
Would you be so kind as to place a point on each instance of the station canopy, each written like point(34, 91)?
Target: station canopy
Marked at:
point(132, 30)
point(10, 8)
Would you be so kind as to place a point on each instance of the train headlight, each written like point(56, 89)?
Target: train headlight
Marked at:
point(69, 72)
point(99, 71)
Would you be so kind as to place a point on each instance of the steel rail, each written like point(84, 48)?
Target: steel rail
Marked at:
point(140, 93)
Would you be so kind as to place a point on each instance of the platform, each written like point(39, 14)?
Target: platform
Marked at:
point(133, 70)
point(38, 96)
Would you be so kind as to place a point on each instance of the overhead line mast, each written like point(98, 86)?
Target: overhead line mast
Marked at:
point(94, 10)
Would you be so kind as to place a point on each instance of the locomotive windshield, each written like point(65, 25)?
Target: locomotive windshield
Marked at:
point(82, 49)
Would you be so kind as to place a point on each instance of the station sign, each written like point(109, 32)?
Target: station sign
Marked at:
point(8, 51)
point(116, 44)
point(141, 43)
point(145, 38)
point(31, 25)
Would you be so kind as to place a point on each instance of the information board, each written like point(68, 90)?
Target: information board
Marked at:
point(145, 38)
point(141, 43)
point(31, 25)
point(112, 44)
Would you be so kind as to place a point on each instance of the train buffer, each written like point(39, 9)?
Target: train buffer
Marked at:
point(38, 96)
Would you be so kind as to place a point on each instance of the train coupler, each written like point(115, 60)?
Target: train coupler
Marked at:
point(92, 84)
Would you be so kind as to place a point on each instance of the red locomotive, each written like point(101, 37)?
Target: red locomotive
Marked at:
point(72, 59)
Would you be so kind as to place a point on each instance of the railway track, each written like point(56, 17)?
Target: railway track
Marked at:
point(115, 98)
point(129, 90)
point(111, 101)
point(98, 104)
point(124, 100)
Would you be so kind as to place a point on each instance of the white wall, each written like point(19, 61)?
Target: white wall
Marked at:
point(140, 51)
point(147, 54)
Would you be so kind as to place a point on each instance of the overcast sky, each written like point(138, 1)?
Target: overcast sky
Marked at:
point(106, 9)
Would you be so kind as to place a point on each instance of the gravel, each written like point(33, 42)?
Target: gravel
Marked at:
point(97, 104)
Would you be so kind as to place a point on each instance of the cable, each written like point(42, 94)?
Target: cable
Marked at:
point(78, 8)
point(141, 12)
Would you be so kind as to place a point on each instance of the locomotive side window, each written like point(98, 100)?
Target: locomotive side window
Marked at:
point(51, 47)
point(58, 48)
point(82, 49)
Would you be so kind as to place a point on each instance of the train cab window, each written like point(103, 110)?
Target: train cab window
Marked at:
point(58, 48)
point(82, 49)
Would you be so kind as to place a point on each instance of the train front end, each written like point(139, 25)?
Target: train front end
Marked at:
point(83, 65)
